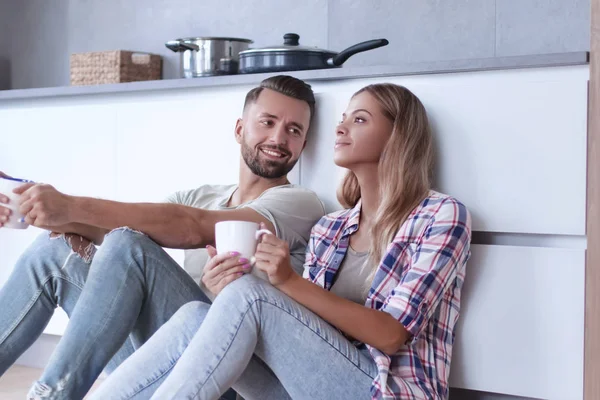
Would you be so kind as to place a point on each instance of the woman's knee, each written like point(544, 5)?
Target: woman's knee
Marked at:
point(191, 310)
point(247, 288)
point(190, 316)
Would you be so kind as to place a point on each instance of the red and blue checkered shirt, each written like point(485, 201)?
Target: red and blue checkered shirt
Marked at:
point(418, 282)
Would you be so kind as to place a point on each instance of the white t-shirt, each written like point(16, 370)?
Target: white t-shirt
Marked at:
point(292, 209)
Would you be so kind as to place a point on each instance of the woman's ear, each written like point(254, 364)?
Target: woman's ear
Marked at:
point(239, 130)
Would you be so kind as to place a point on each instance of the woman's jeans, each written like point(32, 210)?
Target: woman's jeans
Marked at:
point(116, 298)
point(253, 338)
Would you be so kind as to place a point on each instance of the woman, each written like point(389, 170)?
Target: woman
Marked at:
point(376, 314)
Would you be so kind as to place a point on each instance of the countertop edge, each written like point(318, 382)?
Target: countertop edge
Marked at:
point(422, 68)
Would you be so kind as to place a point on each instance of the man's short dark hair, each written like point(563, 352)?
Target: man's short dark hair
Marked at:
point(286, 85)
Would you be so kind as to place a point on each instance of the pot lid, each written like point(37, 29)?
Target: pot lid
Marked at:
point(232, 39)
point(291, 42)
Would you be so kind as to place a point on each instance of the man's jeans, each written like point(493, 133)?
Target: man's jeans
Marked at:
point(116, 298)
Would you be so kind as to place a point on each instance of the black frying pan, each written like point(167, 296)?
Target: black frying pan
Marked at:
point(292, 57)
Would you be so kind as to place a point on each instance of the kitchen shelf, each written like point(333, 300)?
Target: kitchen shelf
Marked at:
point(435, 67)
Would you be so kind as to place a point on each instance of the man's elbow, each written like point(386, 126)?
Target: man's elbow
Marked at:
point(198, 235)
point(195, 240)
point(196, 231)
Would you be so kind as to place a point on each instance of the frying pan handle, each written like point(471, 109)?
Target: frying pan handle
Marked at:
point(178, 45)
point(343, 55)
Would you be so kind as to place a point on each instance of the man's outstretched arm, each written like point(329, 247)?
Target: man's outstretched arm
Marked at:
point(170, 225)
point(92, 233)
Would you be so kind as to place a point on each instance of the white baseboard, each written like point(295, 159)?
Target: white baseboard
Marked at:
point(462, 394)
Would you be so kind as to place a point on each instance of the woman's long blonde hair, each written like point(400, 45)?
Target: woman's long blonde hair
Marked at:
point(404, 169)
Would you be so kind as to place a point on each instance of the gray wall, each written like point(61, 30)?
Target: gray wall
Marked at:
point(5, 27)
point(44, 32)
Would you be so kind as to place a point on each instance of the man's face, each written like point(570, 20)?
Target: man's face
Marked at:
point(272, 133)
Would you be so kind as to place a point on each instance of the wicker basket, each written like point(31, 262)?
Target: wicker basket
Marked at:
point(114, 67)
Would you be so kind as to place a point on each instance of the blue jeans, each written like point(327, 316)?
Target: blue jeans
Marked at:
point(116, 298)
point(253, 338)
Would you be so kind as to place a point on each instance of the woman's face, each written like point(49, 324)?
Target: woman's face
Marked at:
point(362, 133)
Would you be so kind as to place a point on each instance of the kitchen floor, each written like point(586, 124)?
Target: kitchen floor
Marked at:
point(15, 384)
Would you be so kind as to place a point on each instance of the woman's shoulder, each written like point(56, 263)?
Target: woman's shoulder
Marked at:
point(440, 202)
point(340, 214)
point(335, 220)
point(437, 208)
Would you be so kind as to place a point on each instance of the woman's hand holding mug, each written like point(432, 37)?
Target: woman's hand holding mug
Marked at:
point(222, 269)
point(273, 258)
point(234, 256)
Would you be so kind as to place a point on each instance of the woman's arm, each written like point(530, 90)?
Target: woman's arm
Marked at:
point(428, 272)
point(375, 328)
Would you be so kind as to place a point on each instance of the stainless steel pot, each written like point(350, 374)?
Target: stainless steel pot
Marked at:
point(290, 56)
point(208, 56)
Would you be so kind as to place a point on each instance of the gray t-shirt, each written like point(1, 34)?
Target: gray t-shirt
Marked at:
point(292, 209)
point(350, 281)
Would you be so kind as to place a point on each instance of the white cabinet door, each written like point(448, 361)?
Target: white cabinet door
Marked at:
point(520, 331)
point(511, 145)
point(175, 142)
point(71, 147)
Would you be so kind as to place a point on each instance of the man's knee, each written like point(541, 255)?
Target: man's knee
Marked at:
point(53, 249)
point(125, 247)
point(125, 239)
point(81, 246)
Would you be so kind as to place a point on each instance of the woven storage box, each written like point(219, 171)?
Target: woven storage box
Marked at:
point(114, 67)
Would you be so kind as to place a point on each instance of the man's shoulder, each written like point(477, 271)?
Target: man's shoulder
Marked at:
point(290, 189)
point(217, 189)
point(205, 194)
point(293, 193)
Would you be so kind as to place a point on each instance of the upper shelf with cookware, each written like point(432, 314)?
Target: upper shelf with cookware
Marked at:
point(327, 74)
point(211, 56)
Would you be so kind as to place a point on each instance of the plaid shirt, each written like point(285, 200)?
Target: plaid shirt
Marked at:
point(418, 282)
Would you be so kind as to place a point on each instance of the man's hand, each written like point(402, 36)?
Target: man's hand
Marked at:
point(43, 205)
point(273, 258)
point(4, 212)
point(223, 269)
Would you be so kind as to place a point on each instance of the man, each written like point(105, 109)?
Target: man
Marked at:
point(130, 286)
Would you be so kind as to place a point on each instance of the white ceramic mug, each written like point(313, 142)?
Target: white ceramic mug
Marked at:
point(239, 236)
point(15, 220)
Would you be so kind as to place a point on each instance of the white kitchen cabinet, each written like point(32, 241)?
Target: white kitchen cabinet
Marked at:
point(521, 326)
point(510, 144)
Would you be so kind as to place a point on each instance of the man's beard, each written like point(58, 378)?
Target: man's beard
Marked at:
point(266, 168)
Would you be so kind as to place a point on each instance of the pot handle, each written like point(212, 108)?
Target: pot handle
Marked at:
point(178, 45)
point(343, 55)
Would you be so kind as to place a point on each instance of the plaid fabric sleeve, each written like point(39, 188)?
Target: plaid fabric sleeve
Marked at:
point(432, 267)
point(311, 258)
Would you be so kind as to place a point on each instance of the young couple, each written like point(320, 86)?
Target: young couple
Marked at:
point(373, 316)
